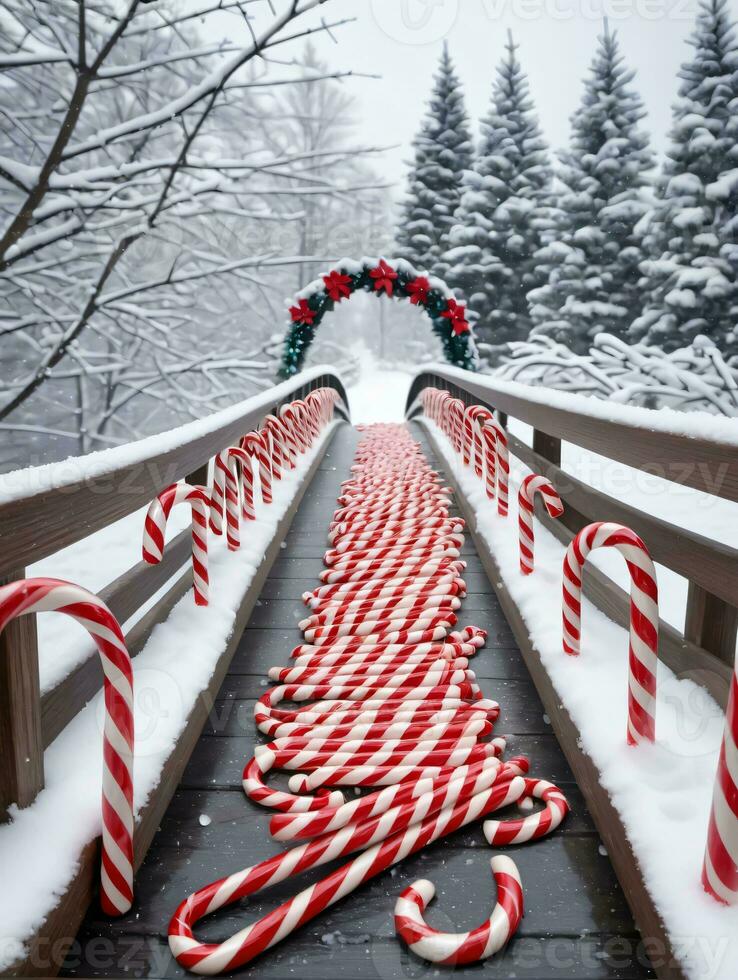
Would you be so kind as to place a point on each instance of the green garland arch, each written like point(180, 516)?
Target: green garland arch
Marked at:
point(397, 279)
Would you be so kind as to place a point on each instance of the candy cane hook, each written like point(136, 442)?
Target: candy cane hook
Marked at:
point(530, 486)
point(155, 528)
point(644, 617)
point(453, 949)
point(47, 594)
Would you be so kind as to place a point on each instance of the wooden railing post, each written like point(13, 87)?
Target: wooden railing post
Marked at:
point(711, 623)
point(199, 477)
point(21, 741)
point(547, 446)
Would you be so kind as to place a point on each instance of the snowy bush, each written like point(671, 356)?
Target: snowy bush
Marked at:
point(694, 378)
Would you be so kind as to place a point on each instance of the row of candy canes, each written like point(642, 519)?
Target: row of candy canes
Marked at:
point(270, 452)
point(391, 709)
point(34, 595)
point(463, 427)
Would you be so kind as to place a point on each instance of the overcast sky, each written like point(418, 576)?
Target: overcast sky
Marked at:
point(401, 41)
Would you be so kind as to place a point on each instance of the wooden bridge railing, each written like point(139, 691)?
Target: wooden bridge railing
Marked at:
point(705, 649)
point(42, 512)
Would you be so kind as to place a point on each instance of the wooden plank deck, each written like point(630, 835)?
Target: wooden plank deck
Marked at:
point(577, 924)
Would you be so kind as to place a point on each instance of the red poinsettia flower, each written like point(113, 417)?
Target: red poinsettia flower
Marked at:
point(384, 276)
point(337, 285)
point(456, 313)
point(302, 313)
point(417, 290)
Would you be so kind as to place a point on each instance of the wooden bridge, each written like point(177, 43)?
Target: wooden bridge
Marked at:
point(589, 911)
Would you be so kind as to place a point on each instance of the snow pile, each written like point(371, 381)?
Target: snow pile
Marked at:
point(694, 378)
point(40, 847)
point(662, 792)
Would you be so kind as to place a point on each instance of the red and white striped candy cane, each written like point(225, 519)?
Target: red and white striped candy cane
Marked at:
point(535, 825)
point(474, 418)
point(644, 617)
point(502, 467)
point(35, 595)
point(530, 486)
point(155, 527)
point(454, 949)
point(256, 444)
point(244, 946)
point(720, 867)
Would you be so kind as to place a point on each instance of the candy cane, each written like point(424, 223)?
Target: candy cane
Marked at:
point(244, 946)
point(382, 698)
point(502, 460)
point(454, 949)
point(720, 867)
point(46, 594)
point(474, 418)
point(155, 527)
point(535, 825)
point(644, 617)
point(530, 486)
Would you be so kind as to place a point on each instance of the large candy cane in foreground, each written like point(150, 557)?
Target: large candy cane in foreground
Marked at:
point(46, 594)
point(720, 868)
point(644, 617)
point(530, 486)
point(453, 949)
point(155, 528)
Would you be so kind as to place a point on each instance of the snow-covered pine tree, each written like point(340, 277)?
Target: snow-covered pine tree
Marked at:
point(592, 260)
point(493, 243)
point(689, 275)
point(443, 151)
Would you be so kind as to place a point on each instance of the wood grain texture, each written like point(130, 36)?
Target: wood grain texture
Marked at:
point(21, 748)
point(605, 816)
point(55, 936)
point(711, 623)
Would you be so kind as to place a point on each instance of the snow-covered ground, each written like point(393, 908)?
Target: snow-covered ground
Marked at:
point(40, 847)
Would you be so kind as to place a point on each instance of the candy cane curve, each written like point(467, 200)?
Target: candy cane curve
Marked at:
point(644, 617)
point(720, 865)
point(46, 594)
point(155, 526)
point(530, 486)
point(454, 949)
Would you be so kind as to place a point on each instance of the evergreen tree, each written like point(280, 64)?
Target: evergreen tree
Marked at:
point(443, 151)
point(689, 276)
point(595, 249)
point(493, 244)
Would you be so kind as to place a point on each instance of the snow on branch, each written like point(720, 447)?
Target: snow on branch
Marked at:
point(694, 378)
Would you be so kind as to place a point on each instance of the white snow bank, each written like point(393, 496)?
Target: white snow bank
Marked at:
point(36, 479)
point(40, 847)
point(662, 792)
